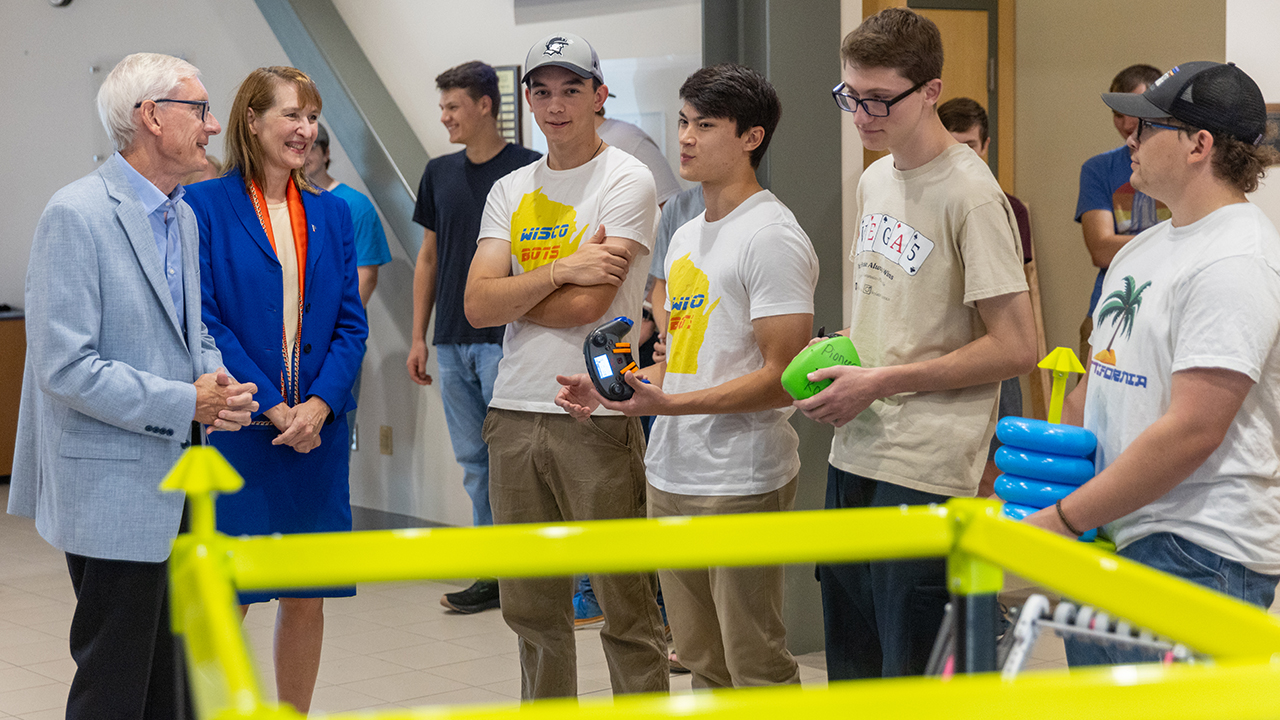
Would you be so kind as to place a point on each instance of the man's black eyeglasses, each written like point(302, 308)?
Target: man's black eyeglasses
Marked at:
point(874, 108)
point(203, 104)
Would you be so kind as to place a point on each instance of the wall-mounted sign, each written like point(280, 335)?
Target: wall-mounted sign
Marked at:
point(511, 107)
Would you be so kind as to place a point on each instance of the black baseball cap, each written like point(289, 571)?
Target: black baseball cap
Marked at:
point(1208, 95)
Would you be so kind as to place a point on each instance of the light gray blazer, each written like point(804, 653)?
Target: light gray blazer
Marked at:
point(107, 394)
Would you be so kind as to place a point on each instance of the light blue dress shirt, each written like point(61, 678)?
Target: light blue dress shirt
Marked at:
point(162, 212)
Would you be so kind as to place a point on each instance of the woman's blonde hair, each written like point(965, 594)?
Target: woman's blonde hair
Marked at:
point(258, 93)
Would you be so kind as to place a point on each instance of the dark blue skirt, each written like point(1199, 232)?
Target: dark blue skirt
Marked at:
point(286, 492)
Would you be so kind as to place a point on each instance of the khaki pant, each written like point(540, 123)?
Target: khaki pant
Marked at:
point(727, 622)
point(551, 468)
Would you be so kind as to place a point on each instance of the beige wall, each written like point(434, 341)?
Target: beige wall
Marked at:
point(1252, 27)
point(1067, 53)
point(409, 42)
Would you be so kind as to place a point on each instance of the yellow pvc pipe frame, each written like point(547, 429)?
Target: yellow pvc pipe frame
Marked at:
point(1244, 682)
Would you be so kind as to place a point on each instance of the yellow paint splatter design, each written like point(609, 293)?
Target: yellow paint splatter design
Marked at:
point(543, 230)
point(688, 288)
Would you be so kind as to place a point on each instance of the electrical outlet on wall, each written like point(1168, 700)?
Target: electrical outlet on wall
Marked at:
point(384, 439)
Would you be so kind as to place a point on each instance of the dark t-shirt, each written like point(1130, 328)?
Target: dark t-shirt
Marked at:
point(1024, 225)
point(451, 201)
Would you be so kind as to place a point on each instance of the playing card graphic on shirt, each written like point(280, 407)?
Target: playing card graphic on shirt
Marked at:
point(917, 249)
point(688, 289)
point(873, 230)
point(897, 241)
point(543, 230)
point(891, 237)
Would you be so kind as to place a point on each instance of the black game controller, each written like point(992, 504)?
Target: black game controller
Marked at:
point(608, 359)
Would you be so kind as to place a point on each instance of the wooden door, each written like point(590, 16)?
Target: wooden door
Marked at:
point(964, 45)
point(13, 350)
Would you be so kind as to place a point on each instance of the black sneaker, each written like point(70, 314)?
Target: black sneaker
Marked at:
point(481, 596)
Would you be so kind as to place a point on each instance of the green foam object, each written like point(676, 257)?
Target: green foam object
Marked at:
point(835, 350)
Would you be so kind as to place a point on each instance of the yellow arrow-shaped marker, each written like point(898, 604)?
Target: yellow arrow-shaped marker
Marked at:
point(1060, 362)
point(201, 472)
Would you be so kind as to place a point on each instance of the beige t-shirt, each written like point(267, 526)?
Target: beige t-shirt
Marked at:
point(287, 254)
point(932, 241)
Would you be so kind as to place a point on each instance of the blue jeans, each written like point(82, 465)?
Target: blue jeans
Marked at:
point(1183, 558)
point(880, 618)
point(467, 373)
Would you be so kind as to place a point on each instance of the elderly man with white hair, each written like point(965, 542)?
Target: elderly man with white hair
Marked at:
point(120, 376)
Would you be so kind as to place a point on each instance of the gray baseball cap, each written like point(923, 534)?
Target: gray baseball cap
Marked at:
point(564, 50)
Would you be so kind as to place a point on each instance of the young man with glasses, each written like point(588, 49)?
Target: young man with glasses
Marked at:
point(1184, 395)
point(940, 317)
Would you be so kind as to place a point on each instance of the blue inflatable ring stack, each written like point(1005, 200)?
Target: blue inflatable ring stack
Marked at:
point(1042, 463)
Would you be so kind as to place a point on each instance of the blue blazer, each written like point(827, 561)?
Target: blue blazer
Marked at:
point(107, 394)
point(241, 282)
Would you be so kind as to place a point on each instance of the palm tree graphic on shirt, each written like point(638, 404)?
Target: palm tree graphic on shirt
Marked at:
point(1121, 307)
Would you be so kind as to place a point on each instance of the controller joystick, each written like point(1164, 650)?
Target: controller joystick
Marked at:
point(608, 359)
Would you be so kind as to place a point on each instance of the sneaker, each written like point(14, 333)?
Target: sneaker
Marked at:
point(482, 595)
point(586, 612)
point(676, 667)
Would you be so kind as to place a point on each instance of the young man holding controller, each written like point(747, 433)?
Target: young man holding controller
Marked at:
point(741, 281)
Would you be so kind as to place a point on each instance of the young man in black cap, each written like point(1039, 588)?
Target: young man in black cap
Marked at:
point(1184, 391)
point(940, 316)
point(565, 244)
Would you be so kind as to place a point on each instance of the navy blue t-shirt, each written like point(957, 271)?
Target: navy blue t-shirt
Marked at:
point(451, 201)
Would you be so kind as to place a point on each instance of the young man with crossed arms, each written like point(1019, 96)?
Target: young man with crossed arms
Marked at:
point(564, 244)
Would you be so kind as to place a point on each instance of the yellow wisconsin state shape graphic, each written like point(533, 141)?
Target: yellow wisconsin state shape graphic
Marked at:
point(687, 288)
point(543, 230)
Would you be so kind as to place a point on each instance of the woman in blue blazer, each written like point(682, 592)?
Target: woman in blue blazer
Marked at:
point(281, 299)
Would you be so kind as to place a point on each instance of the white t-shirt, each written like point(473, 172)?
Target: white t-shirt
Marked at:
point(933, 241)
point(755, 262)
point(545, 214)
point(1206, 295)
point(637, 143)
